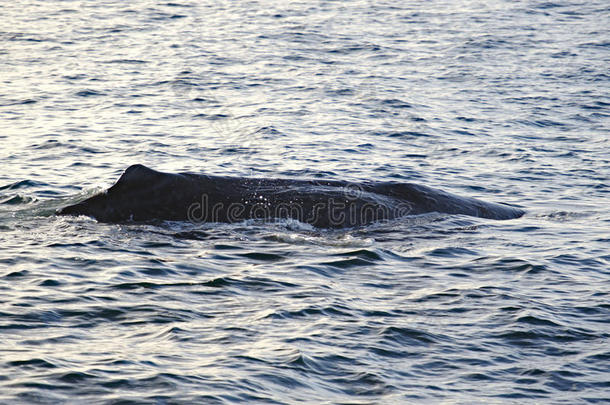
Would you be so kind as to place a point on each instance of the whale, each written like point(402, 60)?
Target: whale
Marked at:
point(142, 194)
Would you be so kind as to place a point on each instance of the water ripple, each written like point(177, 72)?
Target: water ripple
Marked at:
point(503, 101)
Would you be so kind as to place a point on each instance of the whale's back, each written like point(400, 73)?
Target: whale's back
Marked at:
point(143, 194)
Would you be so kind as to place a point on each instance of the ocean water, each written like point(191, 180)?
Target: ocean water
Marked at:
point(506, 101)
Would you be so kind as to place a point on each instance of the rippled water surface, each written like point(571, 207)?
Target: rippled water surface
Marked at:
point(505, 101)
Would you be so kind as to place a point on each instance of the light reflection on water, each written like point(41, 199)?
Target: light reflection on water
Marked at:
point(502, 101)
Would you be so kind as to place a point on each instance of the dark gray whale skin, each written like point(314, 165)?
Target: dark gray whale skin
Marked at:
point(142, 194)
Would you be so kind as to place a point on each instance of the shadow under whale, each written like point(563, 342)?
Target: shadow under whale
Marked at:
point(143, 194)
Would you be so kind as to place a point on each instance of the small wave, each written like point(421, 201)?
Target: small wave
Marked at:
point(127, 61)
point(16, 199)
point(32, 363)
point(21, 36)
point(564, 216)
point(535, 336)
point(22, 184)
point(504, 264)
point(409, 337)
point(54, 143)
point(409, 134)
point(89, 93)
point(26, 101)
point(312, 312)
point(349, 263)
point(363, 254)
point(265, 257)
point(542, 123)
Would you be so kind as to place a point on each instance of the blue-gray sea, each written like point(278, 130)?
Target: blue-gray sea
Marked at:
point(505, 101)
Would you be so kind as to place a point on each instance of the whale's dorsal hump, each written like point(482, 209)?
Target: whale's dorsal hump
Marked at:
point(136, 175)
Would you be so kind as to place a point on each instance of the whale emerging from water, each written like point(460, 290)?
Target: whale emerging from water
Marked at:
point(143, 194)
